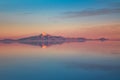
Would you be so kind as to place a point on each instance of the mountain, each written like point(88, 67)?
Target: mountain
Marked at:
point(7, 41)
point(45, 40)
point(48, 38)
point(103, 39)
point(42, 38)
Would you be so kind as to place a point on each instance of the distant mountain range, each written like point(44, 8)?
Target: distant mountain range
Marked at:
point(42, 37)
point(47, 40)
point(46, 37)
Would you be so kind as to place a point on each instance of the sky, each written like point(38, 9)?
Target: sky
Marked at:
point(69, 18)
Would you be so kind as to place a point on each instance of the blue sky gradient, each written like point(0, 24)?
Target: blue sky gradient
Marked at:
point(17, 5)
point(57, 15)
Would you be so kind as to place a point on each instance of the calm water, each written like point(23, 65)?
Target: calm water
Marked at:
point(68, 61)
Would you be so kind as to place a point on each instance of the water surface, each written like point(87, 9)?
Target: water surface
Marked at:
point(69, 61)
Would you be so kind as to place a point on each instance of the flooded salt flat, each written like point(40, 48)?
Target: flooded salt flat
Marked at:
point(93, 60)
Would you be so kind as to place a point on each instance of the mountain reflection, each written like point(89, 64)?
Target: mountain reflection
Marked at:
point(43, 44)
point(47, 43)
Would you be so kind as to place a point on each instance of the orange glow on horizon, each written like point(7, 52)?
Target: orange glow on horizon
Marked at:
point(87, 31)
point(44, 46)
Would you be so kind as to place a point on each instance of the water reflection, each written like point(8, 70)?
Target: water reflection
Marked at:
point(88, 60)
point(46, 43)
point(43, 44)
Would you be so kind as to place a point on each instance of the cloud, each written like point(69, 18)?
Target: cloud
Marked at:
point(90, 12)
point(115, 4)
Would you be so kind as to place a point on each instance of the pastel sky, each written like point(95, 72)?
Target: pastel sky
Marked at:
point(69, 18)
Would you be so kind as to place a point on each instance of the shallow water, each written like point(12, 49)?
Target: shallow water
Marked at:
point(68, 61)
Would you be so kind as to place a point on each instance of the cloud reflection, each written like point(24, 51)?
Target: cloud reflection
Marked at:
point(90, 66)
